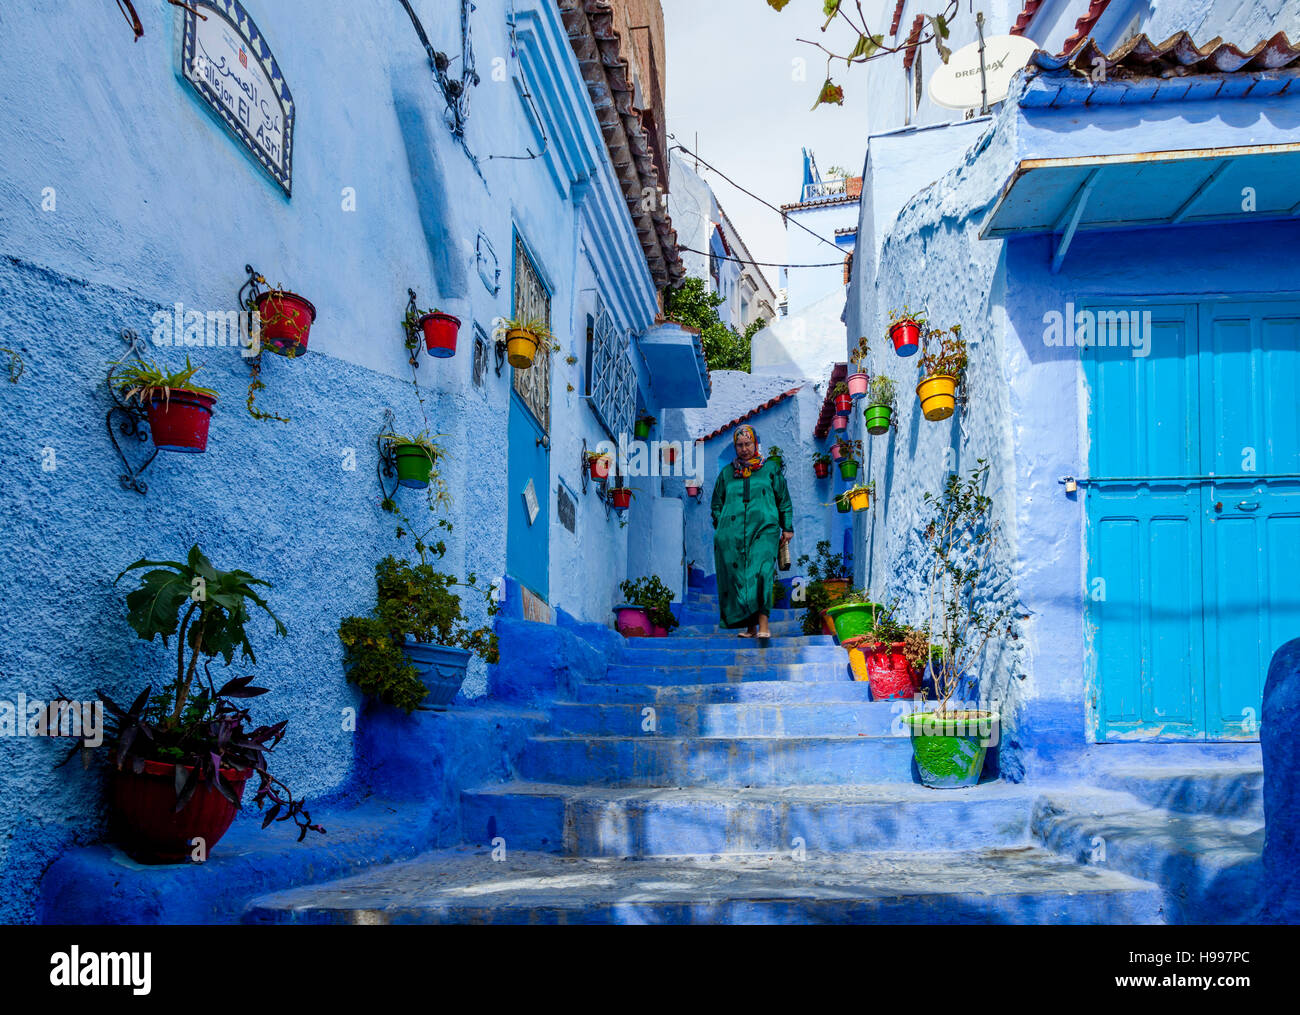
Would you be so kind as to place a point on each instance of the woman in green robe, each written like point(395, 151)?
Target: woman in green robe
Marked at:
point(752, 519)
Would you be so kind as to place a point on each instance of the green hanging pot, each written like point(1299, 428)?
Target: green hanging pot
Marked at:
point(848, 468)
point(877, 417)
point(950, 751)
point(642, 429)
point(413, 465)
point(842, 505)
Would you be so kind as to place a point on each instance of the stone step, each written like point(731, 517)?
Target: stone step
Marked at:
point(724, 761)
point(1225, 791)
point(584, 821)
point(689, 673)
point(1018, 885)
point(700, 640)
point(782, 628)
point(747, 654)
point(727, 719)
point(1209, 868)
point(704, 694)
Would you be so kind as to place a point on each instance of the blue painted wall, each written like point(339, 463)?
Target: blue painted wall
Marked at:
point(154, 204)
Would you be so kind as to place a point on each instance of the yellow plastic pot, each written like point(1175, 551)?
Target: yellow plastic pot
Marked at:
point(860, 500)
point(521, 347)
point(938, 394)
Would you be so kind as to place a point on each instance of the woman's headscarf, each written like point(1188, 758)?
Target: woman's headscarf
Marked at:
point(748, 466)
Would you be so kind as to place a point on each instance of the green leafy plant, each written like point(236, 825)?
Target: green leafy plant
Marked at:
point(146, 381)
point(839, 389)
point(191, 722)
point(694, 305)
point(821, 458)
point(412, 601)
point(882, 391)
point(777, 455)
point(647, 420)
point(851, 450)
point(438, 496)
point(16, 365)
point(825, 564)
point(966, 606)
point(859, 353)
point(897, 317)
point(816, 599)
point(943, 352)
point(654, 597)
point(538, 327)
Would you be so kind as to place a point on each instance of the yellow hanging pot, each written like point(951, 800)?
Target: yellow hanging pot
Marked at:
point(938, 394)
point(860, 500)
point(521, 347)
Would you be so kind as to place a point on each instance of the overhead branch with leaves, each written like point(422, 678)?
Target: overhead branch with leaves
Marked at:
point(868, 45)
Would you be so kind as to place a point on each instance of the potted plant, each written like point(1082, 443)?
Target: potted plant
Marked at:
point(943, 367)
point(641, 429)
point(286, 320)
point(842, 504)
point(598, 464)
point(905, 329)
point(821, 464)
point(828, 569)
point(886, 657)
point(440, 331)
point(669, 454)
point(414, 648)
point(182, 756)
point(646, 610)
point(693, 488)
point(843, 400)
point(879, 412)
point(966, 610)
point(777, 456)
point(414, 458)
point(857, 381)
point(816, 599)
point(179, 411)
point(840, 421)
point(621, 497)
point(847, 457)
point(524, 337)
point(859, 496)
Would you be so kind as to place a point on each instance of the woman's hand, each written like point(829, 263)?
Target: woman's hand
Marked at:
point(786, 537)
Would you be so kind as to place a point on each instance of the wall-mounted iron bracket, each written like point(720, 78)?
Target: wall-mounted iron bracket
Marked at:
point(132, 420)
point(386, 467)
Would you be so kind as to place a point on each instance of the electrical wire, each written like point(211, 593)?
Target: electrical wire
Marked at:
point(760, 264)
point(784, 215)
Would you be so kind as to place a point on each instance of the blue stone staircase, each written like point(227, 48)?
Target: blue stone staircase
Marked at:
point(717, 780)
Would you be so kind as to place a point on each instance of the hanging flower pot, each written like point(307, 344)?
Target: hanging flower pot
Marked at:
point(633, 621)
point(414, 465)
point(842, 504)
point(598, 466)
point(440, 332)
point(145, 817)
point(621, 497)
point(642, 427)
point(821, 469)
point(521, 348)
point(840, 422)
point(441, 668)
point(950, 747)
point(877, 417)
point(179, 420)
point(286, 321)
point(692, 489)
point(857, 384)
point(848, 468)
point(837, 451)
point(859, 498)
point(670, 456)
point(906, 336)
point(843, 404)
point(938, 394)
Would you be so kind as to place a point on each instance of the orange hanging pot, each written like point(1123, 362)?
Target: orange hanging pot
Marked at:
point(938, 394)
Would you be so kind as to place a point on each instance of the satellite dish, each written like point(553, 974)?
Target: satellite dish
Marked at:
point(956, 84)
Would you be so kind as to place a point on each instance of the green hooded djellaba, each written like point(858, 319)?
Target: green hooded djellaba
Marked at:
point(751, 508)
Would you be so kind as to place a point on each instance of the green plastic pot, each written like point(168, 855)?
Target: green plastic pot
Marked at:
point(853, 620)
point(950, 752)
point(642, 429)
point(413, 465)
point(842, 505)
point(877, 417)
point(848, 468)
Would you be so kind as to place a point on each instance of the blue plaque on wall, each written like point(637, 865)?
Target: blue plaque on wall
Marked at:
point(230, 65)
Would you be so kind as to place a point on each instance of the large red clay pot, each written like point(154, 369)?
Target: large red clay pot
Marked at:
point(633, 622)
point(144, 811)
point(888, 672)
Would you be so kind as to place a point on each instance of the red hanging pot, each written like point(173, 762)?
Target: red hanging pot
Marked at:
point(692, 489)
point(180, 422)
point(821, 469)
point(843, 403)
point(621, 497)
point(144, 810)
point(599, 467)
point(440, 331)
point(286, 322)
point(906, 336)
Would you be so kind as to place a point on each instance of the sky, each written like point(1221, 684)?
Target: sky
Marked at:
point(732, 78)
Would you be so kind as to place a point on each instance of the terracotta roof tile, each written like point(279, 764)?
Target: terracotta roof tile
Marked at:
point(1177, 56)
point(838, 373)
point(898, 16)
point(1026, 16)
point(910, 56)
point(1085, 24)
point(777, 400)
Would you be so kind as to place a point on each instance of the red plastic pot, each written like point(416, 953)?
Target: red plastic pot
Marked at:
point(906, 336)
point(622, 497)
point(821, 469)
point(887, 670)
point(286, 322)
point(144, 806)
point(180, 422)
point(440, 331)
point(841, 422)
point(633, 622)
point(692, 490)
point(599, 467)
point(843, 404)
point(857, 384)
point(659, 632)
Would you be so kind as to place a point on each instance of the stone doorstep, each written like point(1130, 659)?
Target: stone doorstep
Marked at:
point(1226, 791)
point(727, 719)
point(742, 655)
point(1015, 885)
point(689, 673)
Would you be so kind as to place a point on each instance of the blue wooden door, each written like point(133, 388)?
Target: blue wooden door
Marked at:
point(1193, 524)
point(528, 551)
